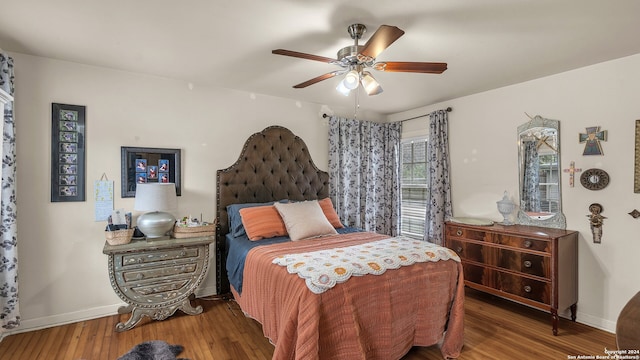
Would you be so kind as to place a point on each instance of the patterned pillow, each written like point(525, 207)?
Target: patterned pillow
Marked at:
point(330, 212)
point(304, 220)
point(262, 222)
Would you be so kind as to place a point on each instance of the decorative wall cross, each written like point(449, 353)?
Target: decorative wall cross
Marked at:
point(592, 140)
point(572, 170)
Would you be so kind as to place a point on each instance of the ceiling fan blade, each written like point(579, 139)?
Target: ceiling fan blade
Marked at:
point(380, 40)
point(413, 67)
point(302, 55)
point(316, 79)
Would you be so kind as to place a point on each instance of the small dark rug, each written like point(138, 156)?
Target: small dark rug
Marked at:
point(153, 350)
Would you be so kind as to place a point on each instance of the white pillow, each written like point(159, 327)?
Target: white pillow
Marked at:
point(304, 220)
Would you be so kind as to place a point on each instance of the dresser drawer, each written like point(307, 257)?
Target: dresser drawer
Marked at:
point(535, 290)
point(469, 251)
point(498, 238)
point(478, 274)
point(523, 262)
point(462, 232)
point(519, 242)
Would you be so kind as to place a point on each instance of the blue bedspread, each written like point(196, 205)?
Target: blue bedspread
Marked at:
point(238, 248)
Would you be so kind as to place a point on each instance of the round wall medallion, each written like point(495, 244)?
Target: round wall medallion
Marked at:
point(594, 179)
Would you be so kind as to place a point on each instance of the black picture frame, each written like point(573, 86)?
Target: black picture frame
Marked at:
point(148, 165)
point(68, 152)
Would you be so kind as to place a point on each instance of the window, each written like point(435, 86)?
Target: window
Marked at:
point(549, 183)
point(413, 187)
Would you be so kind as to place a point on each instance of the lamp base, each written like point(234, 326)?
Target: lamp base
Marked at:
point(156, 224)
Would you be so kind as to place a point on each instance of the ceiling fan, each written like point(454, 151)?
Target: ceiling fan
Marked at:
point(356, 59)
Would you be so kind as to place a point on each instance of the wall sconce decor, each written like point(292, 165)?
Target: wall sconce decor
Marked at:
point(594, 179)
point(572, 170)
point(591, 140)
point(596, 221)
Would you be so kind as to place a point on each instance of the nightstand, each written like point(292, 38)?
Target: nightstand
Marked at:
point(156, 278)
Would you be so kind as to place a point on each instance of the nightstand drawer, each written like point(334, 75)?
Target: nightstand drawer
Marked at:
point(161, 272)
point(159, 255)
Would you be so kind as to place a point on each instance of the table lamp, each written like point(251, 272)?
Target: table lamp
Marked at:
point(155, 198)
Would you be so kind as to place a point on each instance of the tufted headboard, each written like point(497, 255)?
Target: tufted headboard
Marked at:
point(274, 164)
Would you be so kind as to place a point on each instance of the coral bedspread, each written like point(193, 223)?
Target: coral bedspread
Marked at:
point(367, 317)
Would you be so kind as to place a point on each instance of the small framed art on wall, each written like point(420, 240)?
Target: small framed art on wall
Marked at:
point(148, 165)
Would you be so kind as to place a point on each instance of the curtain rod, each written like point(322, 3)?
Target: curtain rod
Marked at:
point(449, 109)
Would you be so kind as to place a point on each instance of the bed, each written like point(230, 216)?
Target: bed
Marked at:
point(376, 316)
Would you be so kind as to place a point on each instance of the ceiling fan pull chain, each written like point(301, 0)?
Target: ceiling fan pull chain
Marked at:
point(357, 104)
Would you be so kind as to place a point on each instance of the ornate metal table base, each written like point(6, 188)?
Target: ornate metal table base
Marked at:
point(137, 313)
point(156, 278)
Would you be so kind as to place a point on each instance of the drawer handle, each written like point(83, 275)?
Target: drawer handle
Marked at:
point(140, 260)
point(527, 243)
point(527, 289)
point(183, 253)
point(527, 264)
point(139, 276)
point(459, 232)
point(459, 249)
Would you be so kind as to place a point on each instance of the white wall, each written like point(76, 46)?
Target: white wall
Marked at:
point(484, 157)
point(62, 271)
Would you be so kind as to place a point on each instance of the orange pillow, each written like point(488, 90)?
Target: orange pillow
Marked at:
point(330, 212)
point(262, 222)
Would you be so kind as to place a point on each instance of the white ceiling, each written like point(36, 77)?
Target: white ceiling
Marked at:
point(487, 43)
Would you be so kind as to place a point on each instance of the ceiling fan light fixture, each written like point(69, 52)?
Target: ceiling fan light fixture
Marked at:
point(370, 84)
point(343, 89)
point(351, 80)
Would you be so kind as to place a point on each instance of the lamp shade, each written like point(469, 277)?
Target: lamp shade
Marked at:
point(370, 85)
point(351, 80)
point(343, 89)
point(155, 197)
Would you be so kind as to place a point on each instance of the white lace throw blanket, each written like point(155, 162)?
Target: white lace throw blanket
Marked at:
point(323, 269)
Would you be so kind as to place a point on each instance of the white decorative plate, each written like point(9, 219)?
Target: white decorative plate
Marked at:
point(472, 221)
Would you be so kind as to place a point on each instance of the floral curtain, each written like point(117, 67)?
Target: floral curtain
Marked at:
point(9, 311)
point(364, 173)
point(530, 197)
point(439, 207)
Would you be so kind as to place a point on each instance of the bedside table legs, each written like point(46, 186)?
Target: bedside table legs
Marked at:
point(135, 318)
point(187, 308)
point(154, 313)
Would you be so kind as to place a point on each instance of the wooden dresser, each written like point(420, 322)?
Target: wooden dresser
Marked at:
point(532, 265)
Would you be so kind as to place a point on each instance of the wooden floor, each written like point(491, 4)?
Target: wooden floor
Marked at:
point(494, 329)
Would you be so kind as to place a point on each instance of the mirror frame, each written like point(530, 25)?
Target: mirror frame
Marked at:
point(558, 220)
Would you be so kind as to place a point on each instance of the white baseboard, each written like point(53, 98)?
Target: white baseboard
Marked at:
point(596, 322)
point(63, 319)
point(81, 315)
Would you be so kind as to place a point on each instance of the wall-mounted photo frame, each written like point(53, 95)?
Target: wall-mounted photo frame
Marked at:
point(146, 165)
point(67, 152)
